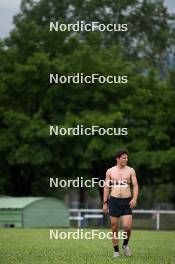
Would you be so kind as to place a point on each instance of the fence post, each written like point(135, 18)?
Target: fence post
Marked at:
point(157, 220)
point(79, 218)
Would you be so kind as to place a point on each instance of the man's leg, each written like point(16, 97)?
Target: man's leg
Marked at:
point(127, 224)
point(115, 227)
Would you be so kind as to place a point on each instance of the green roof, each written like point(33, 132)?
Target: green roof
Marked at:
point(17, 202)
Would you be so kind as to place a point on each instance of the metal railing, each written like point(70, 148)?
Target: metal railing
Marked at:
point(82, 214)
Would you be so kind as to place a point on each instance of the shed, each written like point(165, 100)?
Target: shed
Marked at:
point(33, 212)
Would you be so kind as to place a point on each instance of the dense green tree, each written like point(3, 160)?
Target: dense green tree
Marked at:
point(29, 104)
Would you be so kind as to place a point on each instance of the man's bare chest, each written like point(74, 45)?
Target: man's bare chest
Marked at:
point(121, 175)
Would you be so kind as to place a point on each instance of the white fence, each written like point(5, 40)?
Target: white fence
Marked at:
point(147, 217)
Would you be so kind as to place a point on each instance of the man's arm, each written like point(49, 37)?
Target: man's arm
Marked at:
point(133, 202)
point(106, 193)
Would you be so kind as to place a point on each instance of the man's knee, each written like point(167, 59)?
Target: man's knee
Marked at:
point(114, 226)
point(127, 228)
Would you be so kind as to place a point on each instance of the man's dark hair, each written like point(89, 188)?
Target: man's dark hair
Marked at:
point(121, 152)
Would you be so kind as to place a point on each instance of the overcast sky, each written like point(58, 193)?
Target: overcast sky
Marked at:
point(8, 8)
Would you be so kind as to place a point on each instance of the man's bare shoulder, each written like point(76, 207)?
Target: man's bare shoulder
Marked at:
point(130, 169)
point(110, 170)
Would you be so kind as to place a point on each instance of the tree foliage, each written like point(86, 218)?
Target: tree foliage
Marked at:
point(29, 104)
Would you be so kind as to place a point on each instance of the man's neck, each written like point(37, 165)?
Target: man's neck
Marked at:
point(120, 166)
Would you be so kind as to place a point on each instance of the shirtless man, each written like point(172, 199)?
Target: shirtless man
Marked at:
point(120, 204)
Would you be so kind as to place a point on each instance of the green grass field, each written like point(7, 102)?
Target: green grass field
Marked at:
point(24, 246)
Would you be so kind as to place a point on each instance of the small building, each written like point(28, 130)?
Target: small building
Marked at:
point(33, 212)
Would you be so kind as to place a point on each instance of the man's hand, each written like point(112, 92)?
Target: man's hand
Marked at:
point(105, 208)
point(133, 203)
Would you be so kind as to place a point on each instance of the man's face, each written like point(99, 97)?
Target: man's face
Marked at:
point(123, 160)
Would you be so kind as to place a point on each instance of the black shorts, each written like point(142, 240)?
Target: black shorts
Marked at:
point(119, 206)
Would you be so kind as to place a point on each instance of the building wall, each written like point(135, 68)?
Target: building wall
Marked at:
point(11, 217)
point(46, 213)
